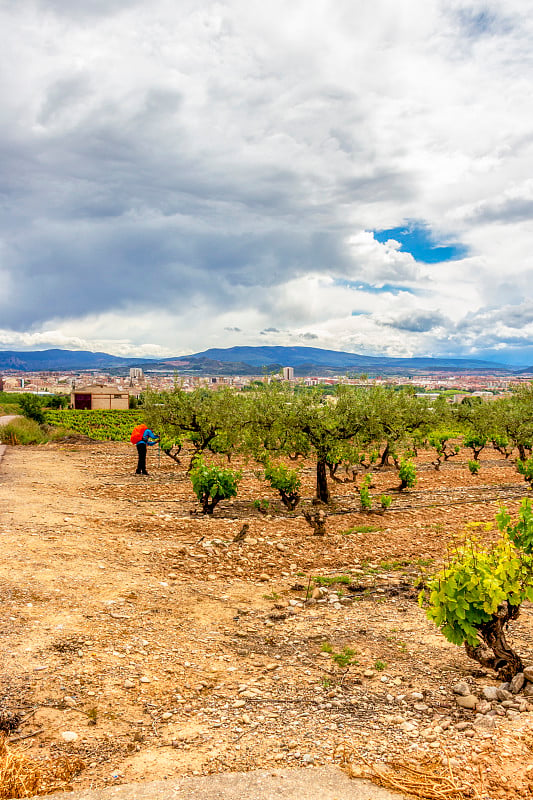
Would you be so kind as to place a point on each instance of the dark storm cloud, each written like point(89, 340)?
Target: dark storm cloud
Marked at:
point(511, 316)
point(507, 210)
point(417, 322)
point(116, 206)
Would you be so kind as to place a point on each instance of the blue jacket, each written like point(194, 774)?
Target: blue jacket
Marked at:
point(149, 437)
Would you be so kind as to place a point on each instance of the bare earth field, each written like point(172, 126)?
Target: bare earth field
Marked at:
point(137, 635)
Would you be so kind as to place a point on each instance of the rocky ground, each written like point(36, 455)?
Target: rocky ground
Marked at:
point(139, 636)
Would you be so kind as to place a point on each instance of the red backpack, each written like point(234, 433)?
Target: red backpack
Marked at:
point(137, 433)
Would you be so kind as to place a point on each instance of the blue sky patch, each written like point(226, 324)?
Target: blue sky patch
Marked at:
point(370, 288)
point(418, 239)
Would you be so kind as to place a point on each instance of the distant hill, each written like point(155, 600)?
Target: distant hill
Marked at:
point(300, 357)
point(57, 360)
point(245, 361)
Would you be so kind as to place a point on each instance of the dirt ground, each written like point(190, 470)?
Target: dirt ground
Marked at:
point(137, 635)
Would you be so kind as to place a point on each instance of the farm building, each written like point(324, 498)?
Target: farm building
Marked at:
point(99, 396)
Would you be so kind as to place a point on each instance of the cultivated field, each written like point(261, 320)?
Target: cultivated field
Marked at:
point(137, 635)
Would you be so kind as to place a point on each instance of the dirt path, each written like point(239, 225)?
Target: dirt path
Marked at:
point(138, 636)
point(7, 418)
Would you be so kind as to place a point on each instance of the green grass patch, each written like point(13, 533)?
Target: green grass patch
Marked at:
point(362, 529)
point(330, 580)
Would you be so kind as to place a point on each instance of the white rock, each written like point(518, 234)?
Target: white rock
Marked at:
point(69, 736)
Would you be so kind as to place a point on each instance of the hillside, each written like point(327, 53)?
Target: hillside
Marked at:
point(245, 361)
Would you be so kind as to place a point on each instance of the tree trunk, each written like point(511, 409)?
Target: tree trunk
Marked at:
point(291, 500)
point(385, 456)
point(322, 489)
point(495, 653)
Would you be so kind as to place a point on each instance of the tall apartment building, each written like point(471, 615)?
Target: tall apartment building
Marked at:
point(288, 373)
point(136, 372)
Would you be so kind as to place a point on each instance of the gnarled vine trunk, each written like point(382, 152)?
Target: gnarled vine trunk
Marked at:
point(495, 653)
point(322, 488)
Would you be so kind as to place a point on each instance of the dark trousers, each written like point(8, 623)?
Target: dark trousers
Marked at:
point(141, 461)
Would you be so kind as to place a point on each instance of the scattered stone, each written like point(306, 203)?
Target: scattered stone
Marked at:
point(517, 683)
point(461, 688)
point(467, 701)
point(482, 721)
point(369, 673)
point(462, 726)
point(483, 707)
point(129, 684)
point(166, 715)
point(264, 577)
point(145, 679)
point(421, 707)
point(239, 703)
point(69, 736)
point(69, 701)
point(307, 758)
point(528, 673)
point(417, 696)
point(503, 694)
point(490, 692)
point(528, 690)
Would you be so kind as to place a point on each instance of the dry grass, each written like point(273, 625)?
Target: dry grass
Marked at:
point(21, 776)
point(429, 778)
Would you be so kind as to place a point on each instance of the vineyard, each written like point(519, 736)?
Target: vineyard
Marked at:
point(114, 426)
point(254, 601)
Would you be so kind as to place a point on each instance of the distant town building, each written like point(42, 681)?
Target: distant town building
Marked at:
point(136, 373)
point(99, 396)
point(288, 373)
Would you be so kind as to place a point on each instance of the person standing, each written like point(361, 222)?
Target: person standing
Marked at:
point(147, 439)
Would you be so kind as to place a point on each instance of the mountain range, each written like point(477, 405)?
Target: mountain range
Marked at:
point(247, 361)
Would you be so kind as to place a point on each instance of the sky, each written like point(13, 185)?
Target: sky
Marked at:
point(179, 175)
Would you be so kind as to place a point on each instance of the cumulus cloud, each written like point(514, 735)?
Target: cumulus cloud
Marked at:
point(175, 175)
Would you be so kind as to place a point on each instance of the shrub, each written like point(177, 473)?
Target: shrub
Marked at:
point(32, 407)
point(364, 493)
point(211, 484)
point(474, 467)
point(480, 591)
point(22, 431)
point(286, 481)
point(407, 474)
point(525, 468)
point(385, 501)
